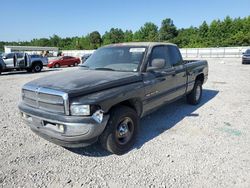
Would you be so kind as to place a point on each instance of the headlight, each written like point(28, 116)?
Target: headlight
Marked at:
point(80, 110)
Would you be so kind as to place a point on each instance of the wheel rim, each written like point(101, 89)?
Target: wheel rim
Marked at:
point(124, 131)
point(198, 93)
point(76, 64)
point(37, 68)
point(57, 65)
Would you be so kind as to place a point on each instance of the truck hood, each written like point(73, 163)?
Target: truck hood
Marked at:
point(80, 82)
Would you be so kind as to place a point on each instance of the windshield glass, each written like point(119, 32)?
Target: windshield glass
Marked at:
point(118, 58)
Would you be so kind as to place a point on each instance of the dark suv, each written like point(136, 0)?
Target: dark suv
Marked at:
point(246, 57)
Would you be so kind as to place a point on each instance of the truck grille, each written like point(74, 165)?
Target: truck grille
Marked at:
point(46, 99)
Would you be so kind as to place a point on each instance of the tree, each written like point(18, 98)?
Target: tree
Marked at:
point(149, 32)
point(168, 30)
point(54, 40)
point(203, 30)
point(95, 39)
point(115, 35)
point(128, 36)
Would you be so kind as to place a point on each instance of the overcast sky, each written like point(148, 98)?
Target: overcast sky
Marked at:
point(27, 19)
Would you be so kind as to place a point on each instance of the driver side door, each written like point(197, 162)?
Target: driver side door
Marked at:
point(8, 60)
point(158, 84)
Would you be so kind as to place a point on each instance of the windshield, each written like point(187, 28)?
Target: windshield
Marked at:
point(118, 58)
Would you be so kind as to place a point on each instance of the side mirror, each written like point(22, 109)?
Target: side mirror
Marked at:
point(157, 64)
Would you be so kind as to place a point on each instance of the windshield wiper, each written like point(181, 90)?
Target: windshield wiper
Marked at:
point(103, 68)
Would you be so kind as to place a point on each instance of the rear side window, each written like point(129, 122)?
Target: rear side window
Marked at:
point(161, 52)
point(174, 56)
point(19, 55)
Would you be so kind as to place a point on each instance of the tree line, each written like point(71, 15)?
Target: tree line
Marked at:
point(226, 32)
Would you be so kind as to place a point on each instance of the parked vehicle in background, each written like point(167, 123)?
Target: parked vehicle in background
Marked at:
point(64, 61)
point(40, 57)
point(105, 98)
point(246, 57)
point(85, 57)
point(20, 61)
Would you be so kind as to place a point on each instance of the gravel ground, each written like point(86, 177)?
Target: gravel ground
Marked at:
point(179, 145)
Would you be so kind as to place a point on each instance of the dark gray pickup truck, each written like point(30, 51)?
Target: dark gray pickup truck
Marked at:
point(107, 95)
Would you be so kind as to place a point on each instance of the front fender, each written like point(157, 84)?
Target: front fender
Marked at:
point(106, 99)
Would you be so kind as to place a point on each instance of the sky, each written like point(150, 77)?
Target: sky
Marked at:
point(23, 20)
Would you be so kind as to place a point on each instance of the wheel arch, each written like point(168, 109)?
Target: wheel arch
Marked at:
point(200, 77)
point(134, 103)
point(36, 62)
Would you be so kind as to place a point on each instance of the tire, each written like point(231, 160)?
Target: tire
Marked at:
point(194, 97)
point(121, 130)
point(37, 67)
point(57, 65)
point(76, 64)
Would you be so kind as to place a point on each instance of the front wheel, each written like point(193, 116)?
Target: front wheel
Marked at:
point(195, 96)
point(121, 130)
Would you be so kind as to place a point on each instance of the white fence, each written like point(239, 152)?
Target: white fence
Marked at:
point(77, 53)
point(221, 52)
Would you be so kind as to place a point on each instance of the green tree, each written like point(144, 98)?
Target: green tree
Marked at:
point(95, 39)
point(149, 32)
point(128, 36)
point(54, 40)
point(115, 35)
point(168, 30)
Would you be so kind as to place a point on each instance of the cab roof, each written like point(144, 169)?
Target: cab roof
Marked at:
point(146, 44)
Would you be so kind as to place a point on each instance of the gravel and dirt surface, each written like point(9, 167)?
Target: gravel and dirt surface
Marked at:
point(179, 145)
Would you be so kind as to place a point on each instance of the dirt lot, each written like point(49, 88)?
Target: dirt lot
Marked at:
point(179, 145)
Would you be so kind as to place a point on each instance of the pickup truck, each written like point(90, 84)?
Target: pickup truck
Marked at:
point(20, 61)
point(104, 99)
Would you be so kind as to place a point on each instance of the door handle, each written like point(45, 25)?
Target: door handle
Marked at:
point(172, 72)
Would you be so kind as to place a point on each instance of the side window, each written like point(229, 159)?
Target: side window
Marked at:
point(160, 52)
point(175, 56)
point(20, 55)
point(9, 56)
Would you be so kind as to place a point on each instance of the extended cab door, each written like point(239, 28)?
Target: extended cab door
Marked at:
point(180, 77)
point(159, 84)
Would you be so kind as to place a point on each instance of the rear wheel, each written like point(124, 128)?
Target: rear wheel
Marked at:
point(75, 64)
point(37, 67)
point(121, 130)
point(57, 65)
point(195, 96)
